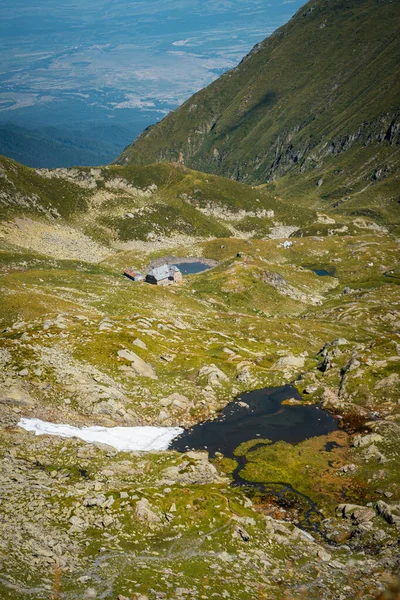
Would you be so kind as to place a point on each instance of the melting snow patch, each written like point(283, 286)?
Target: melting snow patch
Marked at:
point(138, 439)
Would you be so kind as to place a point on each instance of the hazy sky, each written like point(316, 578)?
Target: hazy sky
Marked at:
point(116, 55)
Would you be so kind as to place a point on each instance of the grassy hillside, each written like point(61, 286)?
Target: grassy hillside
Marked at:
point(261, 317)
point(75, 505)
point(324, 85)
point(122, 205)
point(360, 184)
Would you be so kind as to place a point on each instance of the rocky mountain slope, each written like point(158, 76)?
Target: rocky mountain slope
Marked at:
point(319, 97)
point(80, 344)
point(115, 207)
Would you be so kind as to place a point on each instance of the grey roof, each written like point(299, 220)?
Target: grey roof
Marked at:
point(163, 272)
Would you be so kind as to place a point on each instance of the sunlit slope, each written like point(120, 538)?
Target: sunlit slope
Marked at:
point(116, 205)
point(324, 85)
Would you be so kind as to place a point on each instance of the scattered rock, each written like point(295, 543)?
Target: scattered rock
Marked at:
point(163, 416)
point(373, 452)
point(239, 531)
point(389, 381)
point(324, 555)
point(330, 397)
point(176, 401)
point(244, 374)
point(362, 515)
point(276, 280)
point(243, 404)
point(167, 357)
point(310, 389)
point(347, 510)
point(340, 342)
point(166, 401)
point(348, 469)
point(139, 344)
point(194, 469)
point(105, 325)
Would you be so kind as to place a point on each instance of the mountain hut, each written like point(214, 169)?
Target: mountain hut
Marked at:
point(164, 275)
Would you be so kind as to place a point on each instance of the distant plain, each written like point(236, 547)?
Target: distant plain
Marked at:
point(98, 73)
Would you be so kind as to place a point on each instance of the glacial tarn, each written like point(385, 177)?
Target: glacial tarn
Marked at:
point(257, 414)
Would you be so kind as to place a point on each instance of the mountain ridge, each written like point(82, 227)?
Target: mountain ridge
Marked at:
point(322, 84)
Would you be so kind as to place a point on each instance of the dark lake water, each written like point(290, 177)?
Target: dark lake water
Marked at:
point(266, 418)
point(190, 268)
point(322, 270)
point(393, 275)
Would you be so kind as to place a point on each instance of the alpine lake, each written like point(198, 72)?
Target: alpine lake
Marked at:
point(258, 419)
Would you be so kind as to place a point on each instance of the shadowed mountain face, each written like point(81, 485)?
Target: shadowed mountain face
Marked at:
point(325, 84)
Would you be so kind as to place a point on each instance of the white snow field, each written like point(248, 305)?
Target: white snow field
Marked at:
point(137, 439)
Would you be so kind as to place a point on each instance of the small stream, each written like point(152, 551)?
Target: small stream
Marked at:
point(261, 415)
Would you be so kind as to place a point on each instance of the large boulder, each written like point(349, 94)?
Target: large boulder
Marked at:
point(214, 375)
point(138, 365)
point(391, 513)
point(291, 361)
point(194, 469)
point(15, 395)
point(176, 400)
point(389, 381)
point(366, 440)
point(139, 343)
point(145, 513)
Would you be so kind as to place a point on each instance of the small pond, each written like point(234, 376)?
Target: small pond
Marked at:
point(392, 275)
point(264, 417)
point(190, 268)
point(261, 415)
point(322, 270)
point(188, 265)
